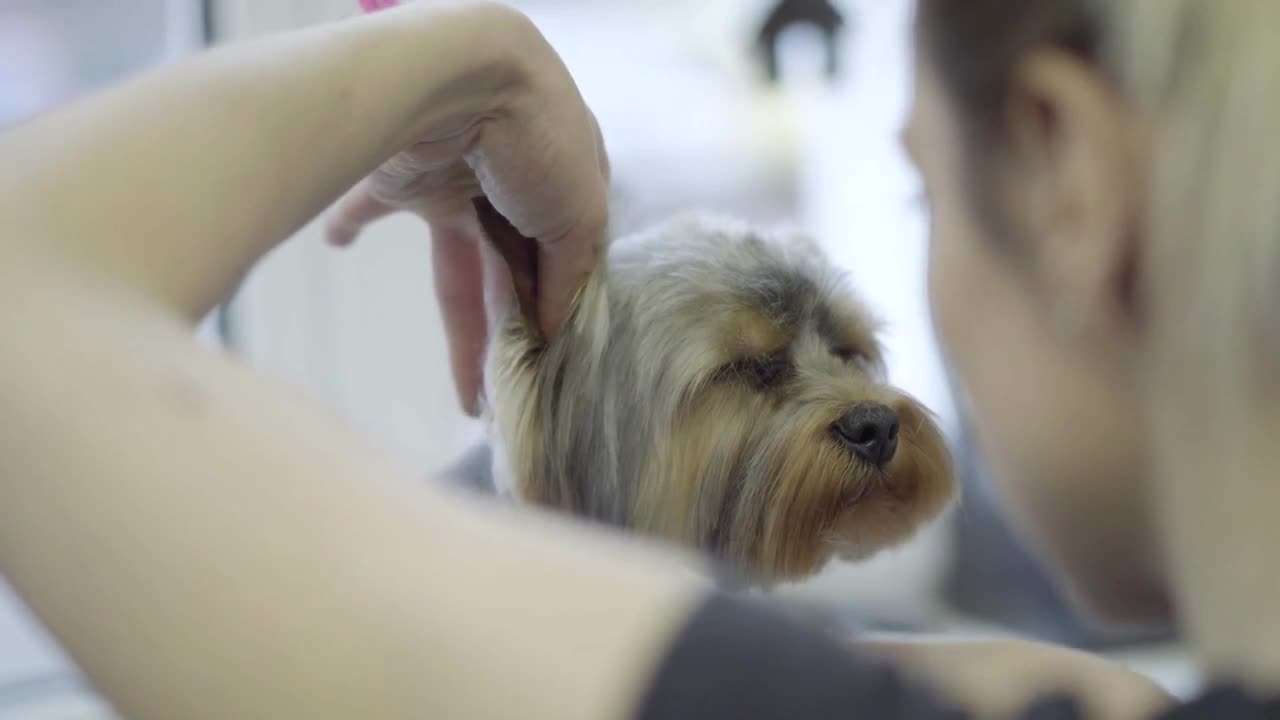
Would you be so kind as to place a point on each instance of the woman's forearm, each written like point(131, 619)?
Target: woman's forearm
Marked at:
point(207, 545)
point(176, 183)
point(999, 678)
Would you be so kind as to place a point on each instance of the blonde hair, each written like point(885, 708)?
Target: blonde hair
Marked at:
point(1204, 71)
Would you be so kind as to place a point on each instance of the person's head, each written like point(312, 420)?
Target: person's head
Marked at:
point(1105, 255)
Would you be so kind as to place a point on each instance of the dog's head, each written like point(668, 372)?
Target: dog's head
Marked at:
point(723, 389)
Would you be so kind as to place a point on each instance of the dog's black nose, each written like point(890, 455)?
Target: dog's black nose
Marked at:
point(871, 431)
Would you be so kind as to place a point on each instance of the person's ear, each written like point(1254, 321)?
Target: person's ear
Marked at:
point(1075, 174)
point(519, 256)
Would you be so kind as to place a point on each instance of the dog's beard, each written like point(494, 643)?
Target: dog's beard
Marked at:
point(628, 417)
point(758, 481)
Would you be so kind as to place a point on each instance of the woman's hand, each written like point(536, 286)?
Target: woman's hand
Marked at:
point(997, 678)
point(521, 135)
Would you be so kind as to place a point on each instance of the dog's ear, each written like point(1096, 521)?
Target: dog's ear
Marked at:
point(520, 255)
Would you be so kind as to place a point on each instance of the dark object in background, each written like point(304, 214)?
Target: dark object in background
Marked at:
point(993, 576)
point(819, 13)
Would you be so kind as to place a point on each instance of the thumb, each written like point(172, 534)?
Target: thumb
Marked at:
point(564, 266)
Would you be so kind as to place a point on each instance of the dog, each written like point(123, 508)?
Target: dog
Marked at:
point(714, 386)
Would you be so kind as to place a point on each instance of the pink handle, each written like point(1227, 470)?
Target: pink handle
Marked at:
point(376, 5)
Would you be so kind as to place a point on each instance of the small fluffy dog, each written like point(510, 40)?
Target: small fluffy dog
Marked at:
point(716, 387)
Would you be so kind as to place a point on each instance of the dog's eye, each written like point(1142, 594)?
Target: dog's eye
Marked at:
point(768, 372)
point(859, 360)
point(762, 372)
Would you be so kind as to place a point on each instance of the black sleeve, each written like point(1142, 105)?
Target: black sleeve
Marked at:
point(1225, 703)
point(735, 661)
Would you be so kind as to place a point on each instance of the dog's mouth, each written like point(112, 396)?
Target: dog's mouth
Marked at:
point(862, 490)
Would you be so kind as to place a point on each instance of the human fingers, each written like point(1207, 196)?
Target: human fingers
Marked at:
point(456, 266)
point(352, 213)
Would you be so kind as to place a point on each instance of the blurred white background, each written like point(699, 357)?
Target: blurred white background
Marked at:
point(689, 123)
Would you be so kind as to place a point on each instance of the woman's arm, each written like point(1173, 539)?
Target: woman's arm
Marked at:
point(998, 678)
point(203, 543)
point(175, 183)
point(207, 545)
